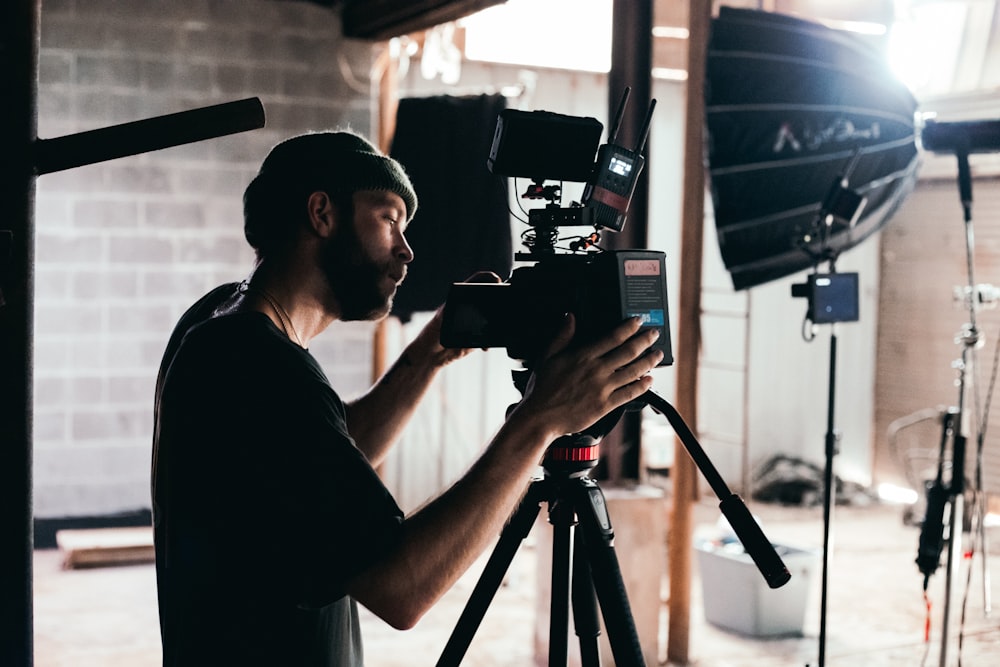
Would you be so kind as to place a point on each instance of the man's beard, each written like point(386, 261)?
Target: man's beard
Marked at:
point(357, 281)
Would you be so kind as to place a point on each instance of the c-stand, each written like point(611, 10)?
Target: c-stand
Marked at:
point(575, 500)
point(956, 430)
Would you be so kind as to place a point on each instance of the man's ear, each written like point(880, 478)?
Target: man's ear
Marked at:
point(322, 214)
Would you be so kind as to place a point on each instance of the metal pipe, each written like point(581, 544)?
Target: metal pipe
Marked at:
point(19, 31)
point(631, 67)
point(150, 134)
point(25, 157)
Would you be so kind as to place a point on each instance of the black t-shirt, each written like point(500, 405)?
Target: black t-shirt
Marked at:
point(263, 506)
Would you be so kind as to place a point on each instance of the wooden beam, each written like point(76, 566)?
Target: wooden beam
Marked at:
point(387, 65)
point(684, 472)
point(382, 19)
point(670, 53)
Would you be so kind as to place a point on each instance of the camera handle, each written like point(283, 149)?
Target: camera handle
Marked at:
point(732, 506)
point(747, 530)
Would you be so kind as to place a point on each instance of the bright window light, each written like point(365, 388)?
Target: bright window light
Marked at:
point(924, 44)
point(565, 34)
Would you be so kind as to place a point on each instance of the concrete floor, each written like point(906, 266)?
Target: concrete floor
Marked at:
point(875, 617)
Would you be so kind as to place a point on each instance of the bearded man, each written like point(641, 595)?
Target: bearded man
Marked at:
point(271, 524)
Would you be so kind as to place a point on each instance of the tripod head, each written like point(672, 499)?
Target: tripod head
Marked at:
point(575, 454)
point(571, 456)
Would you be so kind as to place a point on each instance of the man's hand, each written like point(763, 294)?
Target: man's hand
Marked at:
point(426, 347)
point(574, 387)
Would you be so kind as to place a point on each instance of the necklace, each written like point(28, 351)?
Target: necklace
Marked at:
point(283, 317)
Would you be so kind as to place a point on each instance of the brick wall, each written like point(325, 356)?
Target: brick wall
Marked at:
point(123, 247)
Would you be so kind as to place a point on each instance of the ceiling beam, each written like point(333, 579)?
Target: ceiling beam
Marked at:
point(384, 19)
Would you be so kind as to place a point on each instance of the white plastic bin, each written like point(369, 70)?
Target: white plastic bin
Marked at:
point(737, 598)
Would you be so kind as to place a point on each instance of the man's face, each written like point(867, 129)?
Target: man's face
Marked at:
point(365, 261)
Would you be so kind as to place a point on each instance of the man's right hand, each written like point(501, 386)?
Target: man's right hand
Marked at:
point(573, 387)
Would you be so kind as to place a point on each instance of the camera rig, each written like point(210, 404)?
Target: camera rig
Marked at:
point(601, 287)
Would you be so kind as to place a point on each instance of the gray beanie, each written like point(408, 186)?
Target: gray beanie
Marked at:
point(340, 163)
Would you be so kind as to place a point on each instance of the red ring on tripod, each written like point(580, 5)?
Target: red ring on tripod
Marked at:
point(575, 454)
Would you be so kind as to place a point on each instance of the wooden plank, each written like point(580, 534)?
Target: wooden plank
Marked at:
point(684, 472)
point(97, 547)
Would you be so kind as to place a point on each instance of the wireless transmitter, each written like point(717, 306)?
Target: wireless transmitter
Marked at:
point(609, 190)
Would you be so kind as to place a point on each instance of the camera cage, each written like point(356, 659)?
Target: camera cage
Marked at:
point(602, 287)
point(546, 146)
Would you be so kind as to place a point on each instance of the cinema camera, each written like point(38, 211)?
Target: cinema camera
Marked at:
point(600, 287)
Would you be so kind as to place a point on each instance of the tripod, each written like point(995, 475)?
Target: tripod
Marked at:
point(576, 501)
point(571, 497)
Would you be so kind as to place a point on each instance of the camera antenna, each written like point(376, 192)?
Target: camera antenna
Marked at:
point(613, 130)
point(644, 133)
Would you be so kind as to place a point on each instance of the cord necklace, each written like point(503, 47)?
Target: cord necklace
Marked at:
point(283, 317)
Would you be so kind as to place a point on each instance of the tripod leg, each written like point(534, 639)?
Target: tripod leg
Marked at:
point(489, 581)
point(585, 605)
point(954, 562)
point(561, 517)
point(984, 550)
point(595, 524)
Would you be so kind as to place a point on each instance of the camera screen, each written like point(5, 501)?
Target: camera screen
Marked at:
point(621, 166)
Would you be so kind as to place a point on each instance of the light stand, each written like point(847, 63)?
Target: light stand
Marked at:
point(832, 298)
point(830, 450)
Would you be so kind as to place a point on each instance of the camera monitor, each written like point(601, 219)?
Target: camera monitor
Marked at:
point(544, 145)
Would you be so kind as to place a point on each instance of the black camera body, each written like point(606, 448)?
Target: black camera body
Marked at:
point(600, 288)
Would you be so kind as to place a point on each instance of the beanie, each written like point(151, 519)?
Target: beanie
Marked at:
point(340, 163)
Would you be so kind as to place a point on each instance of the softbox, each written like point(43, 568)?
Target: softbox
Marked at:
point(791, 106)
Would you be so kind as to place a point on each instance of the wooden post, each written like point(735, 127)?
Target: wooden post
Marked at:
point(387, 66)
point(684, 473)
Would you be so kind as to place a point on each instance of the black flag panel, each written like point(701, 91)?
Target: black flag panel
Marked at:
point(462, 224)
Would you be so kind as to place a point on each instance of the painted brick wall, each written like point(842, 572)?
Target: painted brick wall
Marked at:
point(123, 247)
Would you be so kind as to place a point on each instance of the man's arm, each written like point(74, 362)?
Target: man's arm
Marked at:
point(440, 541)
point(376, 419)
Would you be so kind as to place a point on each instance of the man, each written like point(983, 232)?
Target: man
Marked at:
point(270, 521)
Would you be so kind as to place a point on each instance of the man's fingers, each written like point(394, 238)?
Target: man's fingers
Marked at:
point(631, 349)
point(633, 390)
point(615, 338)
